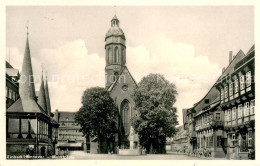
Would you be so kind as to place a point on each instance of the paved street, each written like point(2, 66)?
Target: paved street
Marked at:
point(80, 155)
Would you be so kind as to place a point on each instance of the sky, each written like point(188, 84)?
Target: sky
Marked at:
point(189, 45)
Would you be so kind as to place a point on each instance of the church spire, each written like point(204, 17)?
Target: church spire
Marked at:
point(42, 97)
point(47, 96)
point(26, 84)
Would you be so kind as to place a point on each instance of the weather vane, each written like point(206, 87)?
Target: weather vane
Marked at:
point(115, 9)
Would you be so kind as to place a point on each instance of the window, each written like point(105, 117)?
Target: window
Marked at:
point(248, 79)
point(226, 91)
point(116, 55)
point(217, 116)
point(246, 109)
point(226, 116)
point(110, 58)
point(240, 111)
point(252, 107)
point(242, 82)
point(222, 94)
point(206, 101)
point(236, 85)
point(233, 137)
point(229, 114)
point(234, 113)
point(231, 89)
point(250, 138)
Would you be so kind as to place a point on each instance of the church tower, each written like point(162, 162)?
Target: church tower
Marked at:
point(115, 52)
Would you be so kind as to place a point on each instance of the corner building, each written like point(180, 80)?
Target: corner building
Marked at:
point(237, 89)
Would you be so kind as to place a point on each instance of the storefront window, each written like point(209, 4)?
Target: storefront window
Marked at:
point(243, 143)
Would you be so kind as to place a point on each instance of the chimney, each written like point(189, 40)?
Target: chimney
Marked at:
point(223, 69)
point(230, 56)
point(56, 115)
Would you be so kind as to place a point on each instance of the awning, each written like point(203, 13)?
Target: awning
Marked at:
point(61, 144)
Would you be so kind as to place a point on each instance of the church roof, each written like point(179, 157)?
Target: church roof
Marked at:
point(113, 85)
point(48, 103)
point(42, 97)
point(26, 85)
point(115, 30)
point(27, 102)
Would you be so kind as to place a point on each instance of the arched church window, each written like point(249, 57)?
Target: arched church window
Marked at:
point(126, 115)
point(110, 58)
point(122, 55)
point(116, 55)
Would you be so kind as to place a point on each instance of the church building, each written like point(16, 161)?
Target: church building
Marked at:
point(120, 83)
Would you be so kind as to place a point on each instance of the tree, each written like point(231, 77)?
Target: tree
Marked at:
point(156, 117)
point(98, 117)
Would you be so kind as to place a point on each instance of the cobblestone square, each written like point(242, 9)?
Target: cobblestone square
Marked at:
point(80, 155)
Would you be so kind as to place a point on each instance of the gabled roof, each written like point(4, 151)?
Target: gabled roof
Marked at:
point(213, 93)
point(251, 50)
point(66, 116)
point(113, 85)
point(8, 65)
point(230, 69)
